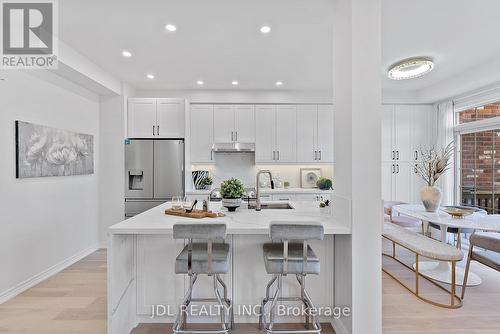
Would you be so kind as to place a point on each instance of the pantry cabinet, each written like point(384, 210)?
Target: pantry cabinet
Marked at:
point(406, 129)
point(155, 118)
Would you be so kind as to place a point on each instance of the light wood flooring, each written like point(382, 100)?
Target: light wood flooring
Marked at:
point(74, 302)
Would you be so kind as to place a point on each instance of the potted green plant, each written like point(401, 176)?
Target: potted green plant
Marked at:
point(324, 184)
point(231, 191)
point(206, 183)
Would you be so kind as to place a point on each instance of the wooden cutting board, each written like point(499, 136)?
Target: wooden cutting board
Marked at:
point(197, 214)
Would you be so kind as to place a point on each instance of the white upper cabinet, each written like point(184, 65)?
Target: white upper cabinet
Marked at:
point(421, 124)
point(403, 115)
point(245, 123)
point(234, 123)
point(387, 126)
point(307, 133)
point(286, 133)
point(224, 122)
point(141, 118)
point(265, 133)
point(170, 118)
point(325, 133)
point(315, 133)
point(202, 135)
point(155, 118)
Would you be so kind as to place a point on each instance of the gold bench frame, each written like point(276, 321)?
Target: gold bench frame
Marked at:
point(455, 301)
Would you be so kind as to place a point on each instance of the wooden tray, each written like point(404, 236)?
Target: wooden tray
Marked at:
point(197, 214)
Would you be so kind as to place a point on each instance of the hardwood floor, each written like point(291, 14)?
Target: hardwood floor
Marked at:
point(74, 302)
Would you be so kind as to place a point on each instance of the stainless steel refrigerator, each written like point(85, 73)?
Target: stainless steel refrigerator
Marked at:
point(154, 173)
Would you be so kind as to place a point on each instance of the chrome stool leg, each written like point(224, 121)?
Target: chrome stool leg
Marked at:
point(262, 315)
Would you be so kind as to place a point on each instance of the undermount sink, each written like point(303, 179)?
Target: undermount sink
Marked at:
point(273, 206)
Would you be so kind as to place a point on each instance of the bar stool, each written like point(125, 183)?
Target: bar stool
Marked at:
point(293, 256)
point(203, 257)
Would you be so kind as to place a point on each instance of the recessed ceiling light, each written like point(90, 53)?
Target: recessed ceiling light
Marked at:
point(170, 27)
point(150, 76)
point(410, 68)
point(279, 83)
point(265, 29)
point(234, 83)
point(199, 82)
point(126, 54)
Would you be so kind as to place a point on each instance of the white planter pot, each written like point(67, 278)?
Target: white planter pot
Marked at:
point(231, 203)
point(431, 198)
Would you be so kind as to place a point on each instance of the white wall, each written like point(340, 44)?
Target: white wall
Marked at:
point(44, 221)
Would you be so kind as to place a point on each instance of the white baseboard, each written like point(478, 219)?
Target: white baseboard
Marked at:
point(339, 327)
point(25, 285)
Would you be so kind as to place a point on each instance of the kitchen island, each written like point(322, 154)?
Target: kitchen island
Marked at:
point(142, 252)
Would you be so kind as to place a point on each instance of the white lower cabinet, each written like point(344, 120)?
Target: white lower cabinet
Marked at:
point(400, 182)
point(313, 197)
point(284, 197)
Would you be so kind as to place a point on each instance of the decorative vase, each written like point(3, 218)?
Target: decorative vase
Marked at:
point(231, 203)
point(431, 198)
point(197, 176)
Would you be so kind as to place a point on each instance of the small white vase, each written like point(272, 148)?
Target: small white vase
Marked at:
point(431, 198)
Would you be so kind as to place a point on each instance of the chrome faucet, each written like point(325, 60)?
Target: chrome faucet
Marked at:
point(257, 195)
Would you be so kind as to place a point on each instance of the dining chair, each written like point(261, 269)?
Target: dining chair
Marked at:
point(488, 254)
point(403, 221)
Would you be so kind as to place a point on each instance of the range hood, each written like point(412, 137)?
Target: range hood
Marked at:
point(233, 147)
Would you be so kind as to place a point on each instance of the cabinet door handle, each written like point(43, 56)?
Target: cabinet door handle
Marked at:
point(211, 155)
point(153, 130)
point(397, 155)
point(315, 155)
point(416, 155)
point(320, 156)
point(158, 130)
point(415, 169)
point(393, 169)
point(397, 169)
point(393, 155)
point(236, 134)
point(274, 155)
point(278, 154)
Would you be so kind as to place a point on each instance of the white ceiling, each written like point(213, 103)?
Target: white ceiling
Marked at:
point(457, 34)
point(218, 41)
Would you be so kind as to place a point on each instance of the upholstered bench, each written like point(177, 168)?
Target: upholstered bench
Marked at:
point(422, 246)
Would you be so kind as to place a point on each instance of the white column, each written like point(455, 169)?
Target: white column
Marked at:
point(357, 99)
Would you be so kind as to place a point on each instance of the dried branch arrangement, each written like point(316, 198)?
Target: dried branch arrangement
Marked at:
point(434, 163)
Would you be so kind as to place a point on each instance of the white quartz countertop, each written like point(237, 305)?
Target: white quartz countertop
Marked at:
point(273, 191)
point(243, 221)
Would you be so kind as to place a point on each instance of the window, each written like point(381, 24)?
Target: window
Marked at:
point(478, 158)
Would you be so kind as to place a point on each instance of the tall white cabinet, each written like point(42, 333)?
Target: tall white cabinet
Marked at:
point(155, 118)
point(406, 129)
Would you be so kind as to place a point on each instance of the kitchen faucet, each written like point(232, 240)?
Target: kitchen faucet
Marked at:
point(257, 200)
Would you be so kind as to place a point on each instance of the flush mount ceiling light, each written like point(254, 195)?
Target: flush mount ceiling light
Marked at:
point(199, 82)
point(279, 83)
point(150, 76)
point(126, 54)
point(265, 29)
point(234, 83)
point(170, 27)
point(410, 68)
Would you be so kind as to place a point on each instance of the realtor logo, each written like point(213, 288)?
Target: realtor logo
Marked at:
point(29, 34)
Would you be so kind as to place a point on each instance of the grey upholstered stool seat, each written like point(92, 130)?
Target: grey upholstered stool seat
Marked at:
point(292, 255)
point(274, 261)
point(489, 255)
point(203, 257)
point(199, 260)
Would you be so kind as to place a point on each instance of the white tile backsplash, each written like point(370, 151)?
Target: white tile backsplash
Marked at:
point(242, 166)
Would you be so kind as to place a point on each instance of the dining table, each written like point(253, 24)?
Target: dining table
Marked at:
point(441, 271)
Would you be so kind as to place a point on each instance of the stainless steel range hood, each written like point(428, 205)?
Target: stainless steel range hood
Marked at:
point(233, 147)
